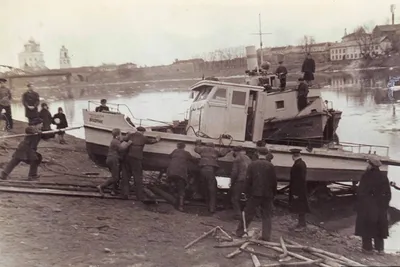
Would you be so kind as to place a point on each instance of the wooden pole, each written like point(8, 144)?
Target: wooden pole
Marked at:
point(45, 132)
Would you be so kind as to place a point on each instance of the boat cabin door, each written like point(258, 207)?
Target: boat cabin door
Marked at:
point(237, 112)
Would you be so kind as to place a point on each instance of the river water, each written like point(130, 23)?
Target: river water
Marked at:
point(363, 121)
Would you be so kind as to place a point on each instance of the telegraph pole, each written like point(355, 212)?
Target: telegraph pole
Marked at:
point(260, 33)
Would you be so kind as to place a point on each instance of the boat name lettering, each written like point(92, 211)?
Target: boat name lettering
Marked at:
point(304, 124)
point(95, 120)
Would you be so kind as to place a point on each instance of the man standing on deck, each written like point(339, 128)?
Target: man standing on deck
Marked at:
point(298, 200)
point(302, 94)
point(27, 151)
point(238, 178)
point(103, 106)
point(208, 166)
point(5, 103)
point(261, 187)
point(132, 162)
point(308, 68)
point(281, 72)
point(31, 101)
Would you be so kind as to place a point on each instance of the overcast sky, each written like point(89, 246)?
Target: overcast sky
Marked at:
point(156, 32)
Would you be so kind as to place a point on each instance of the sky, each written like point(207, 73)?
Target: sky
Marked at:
point(160, 31)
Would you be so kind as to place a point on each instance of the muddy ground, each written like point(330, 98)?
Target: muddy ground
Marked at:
point(40, 230)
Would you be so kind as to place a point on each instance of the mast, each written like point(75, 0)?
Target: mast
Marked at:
point(260, 33)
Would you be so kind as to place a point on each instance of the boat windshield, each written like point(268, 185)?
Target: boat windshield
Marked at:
point(202, 92)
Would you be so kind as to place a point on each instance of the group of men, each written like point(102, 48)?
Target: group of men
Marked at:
point(308, 69)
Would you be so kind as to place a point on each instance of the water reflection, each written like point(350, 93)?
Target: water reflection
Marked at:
point(363, 120)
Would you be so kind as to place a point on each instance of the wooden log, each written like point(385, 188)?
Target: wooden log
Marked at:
point(289, 264)
point(273, 244)
point(254, 258)
point(237, 251)
point(45, 132)
point(168, 197)
point(200, 238)
point(292, 254)
point(329, 261)
point(234, 243)
point(284, 256)
point(258, 253)
point(224, 233)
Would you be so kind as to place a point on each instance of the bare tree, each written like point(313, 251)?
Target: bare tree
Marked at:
point(365, 41)
point(306, 43)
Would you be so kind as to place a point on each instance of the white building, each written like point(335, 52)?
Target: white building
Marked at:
point(31, 58)
point(65, 60)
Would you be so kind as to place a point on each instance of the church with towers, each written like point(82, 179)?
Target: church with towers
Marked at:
point(65, 60)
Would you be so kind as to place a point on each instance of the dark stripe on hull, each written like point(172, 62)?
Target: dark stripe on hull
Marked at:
point(159, 162)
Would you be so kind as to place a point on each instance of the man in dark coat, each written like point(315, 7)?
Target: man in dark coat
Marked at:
point(281, 72)
point(31, 101)
point(60, 120)
point(373, 197)
point(302, 94)
point(103, 106)
point(178, 171)
point(308, 68)
point(238, 178)
point(47, 119)
point(261, 187)
point(132, 162)
point(5, 103)
point(298, 200)
point(27, 152)
point(113, 161)
point(208, 166)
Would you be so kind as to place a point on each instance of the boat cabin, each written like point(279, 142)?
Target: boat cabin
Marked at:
point(239, 110)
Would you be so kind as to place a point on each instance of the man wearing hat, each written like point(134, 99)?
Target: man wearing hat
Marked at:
point(27, 151)
point(103, 106)
point(5, 103)
point(178, 171)
point(373, 197)
point(261, 187)
point(31, 101)
point(302, 94)
point(308, 68)
point(132, 162)
point(298, 189)
point(281, 72)
point(238, 177)
point(208, 165)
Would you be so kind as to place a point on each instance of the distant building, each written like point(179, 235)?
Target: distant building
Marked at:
point(31, 58)
point(386, 30)
point(65, 60)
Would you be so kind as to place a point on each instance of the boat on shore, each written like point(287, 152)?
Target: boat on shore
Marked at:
point(390, 94)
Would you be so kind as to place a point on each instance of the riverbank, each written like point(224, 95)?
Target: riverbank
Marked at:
point(69, 231)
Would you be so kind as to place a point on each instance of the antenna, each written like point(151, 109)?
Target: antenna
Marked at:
point(260, 33)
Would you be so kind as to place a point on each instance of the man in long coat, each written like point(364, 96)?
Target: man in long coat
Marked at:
point(238, 178)
point(298, 199)
point(27, 152)
point(302, 94)
point(373, 197)
point(308, 68)
point(281, 72)
point(261, 187)
point(208, 166)
point(132, 162)
point(5, 103)
point(177, 171)
point(31, 101)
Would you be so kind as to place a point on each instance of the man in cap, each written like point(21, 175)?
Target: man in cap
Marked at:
point(132, 162)
point(31, 101)
point(238, 178)
point(178, 171)
point(373, 197)
point(103, 106)
point(302, 94)
point(308, 68)
point(298, 200)
point(281, 72)
point(208, 166)
point(259, 145)
point(27, 151)
point(261, 187)
point(5, 103)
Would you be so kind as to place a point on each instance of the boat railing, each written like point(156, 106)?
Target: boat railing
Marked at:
point(116, 107)
point(366, 148)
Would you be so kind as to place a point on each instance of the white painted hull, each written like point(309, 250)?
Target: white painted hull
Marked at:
point(323, 165)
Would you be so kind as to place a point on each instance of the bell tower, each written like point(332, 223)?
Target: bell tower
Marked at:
point(65, 61)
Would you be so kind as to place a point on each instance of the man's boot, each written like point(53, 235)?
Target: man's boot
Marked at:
point(180, 203)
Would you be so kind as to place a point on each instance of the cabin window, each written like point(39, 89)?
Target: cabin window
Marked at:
point(220, 94)
point(239, 98)
point(202, 92)
point(280, 104)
